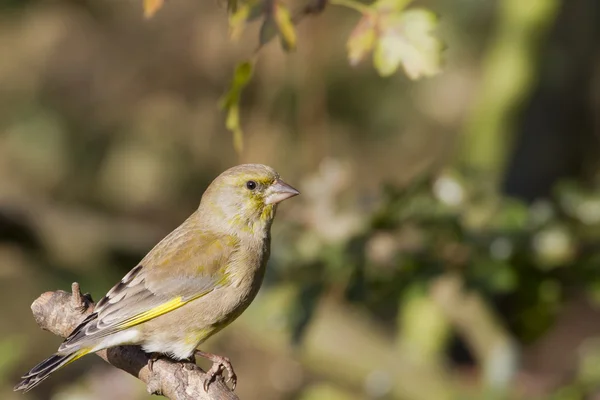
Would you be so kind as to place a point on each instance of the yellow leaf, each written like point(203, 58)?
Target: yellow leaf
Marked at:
point(151, 7)
point(362, 39)
point(407, 39)
point(237, 21)
point(244, 13)
point(232, 122)
point(242, 75)
point(391, 5)
point(285, 26)
point(236, 128)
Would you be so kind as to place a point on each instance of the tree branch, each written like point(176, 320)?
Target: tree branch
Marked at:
point(60, 312)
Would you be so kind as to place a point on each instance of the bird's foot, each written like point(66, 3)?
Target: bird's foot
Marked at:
point(152, 360)
point(189, 363)
point(220, 364)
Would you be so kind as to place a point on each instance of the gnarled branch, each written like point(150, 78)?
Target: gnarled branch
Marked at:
point(60, 312)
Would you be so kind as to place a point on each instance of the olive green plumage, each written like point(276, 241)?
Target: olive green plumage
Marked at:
point(193, 283)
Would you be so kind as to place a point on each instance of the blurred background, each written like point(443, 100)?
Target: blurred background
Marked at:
point(446, 243)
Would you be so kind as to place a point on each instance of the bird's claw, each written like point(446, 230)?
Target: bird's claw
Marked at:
point(220, 364)
point(152, 360)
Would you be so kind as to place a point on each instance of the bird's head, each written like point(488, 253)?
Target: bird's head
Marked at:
point(244, 198)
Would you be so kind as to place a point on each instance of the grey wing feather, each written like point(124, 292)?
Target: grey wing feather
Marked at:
point(134, 295)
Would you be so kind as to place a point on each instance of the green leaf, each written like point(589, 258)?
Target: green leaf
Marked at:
point(391, 5)
point(241, 77)
point(230, 102)
point(285, 26)
point(232, 6)
point(362, 39)
point(257, 9)
point(232, 122)
point(406, 39)
point(237, 21)
point(268, 30)
point(277, 21)
point(243, 14)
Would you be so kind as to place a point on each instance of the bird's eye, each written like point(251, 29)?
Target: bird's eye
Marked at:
point(251, 185)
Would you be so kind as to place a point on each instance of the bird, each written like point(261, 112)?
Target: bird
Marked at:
point(193, 283)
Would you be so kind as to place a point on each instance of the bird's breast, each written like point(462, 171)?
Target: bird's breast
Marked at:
point(244, 275)
point(201, 318)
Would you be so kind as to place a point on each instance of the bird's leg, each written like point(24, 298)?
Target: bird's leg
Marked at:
point(220, 363)
point(185, 363)
point(189, 363)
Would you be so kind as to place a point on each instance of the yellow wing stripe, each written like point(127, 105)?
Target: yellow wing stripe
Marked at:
point(165, 307)
point(158, 311)
point(155, 312)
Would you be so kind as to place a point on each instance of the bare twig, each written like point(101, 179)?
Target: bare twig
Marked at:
point(60, 312)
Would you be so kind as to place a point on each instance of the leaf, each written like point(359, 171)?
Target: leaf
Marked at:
point(241, 77)
point(151, 7)
point(232, 6)
point(362, 39)
point(237, 21)
point(243, 14)
point(407, 39)
point(277, 21)
point(232, 122)
point(285, 26)
point(268, 30)
point(230, 102)
point(391, 5)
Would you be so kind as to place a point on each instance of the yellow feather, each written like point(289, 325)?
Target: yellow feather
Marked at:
point(158, 311)
point(78, 355)
point(165, 308)
point(155, 312)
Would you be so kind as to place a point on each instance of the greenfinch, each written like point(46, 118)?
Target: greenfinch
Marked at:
point(192, 284)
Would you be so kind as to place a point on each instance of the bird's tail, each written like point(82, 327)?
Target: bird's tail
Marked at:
point(46, 367)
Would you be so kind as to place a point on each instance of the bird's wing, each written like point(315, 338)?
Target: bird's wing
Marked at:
point(181, 268)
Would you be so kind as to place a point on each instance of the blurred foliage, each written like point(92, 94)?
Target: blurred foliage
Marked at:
point(395, 36)
point(11, 350)
point(231, 102)
point(445, 243)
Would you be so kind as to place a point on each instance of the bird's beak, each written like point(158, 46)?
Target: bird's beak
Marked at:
point(279, 191)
